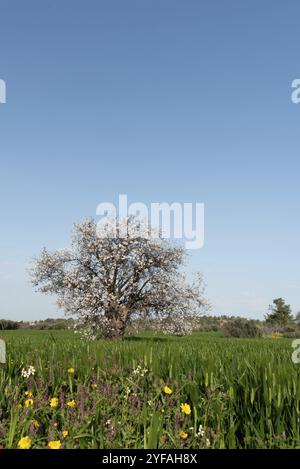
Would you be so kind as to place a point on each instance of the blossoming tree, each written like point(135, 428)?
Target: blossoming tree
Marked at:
point(106, 279)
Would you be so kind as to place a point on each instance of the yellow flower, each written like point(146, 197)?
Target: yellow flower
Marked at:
point(71, 403)
point(28, 402)
point(71, 371)
point(94, 386)
point(56, 444)
point(24, 443)
point(276, 335)
point(167, 390)
point(35, 423)
point(185, 408)
point(28, 393)
point(54, 402)
point(65, 433)
point(183, 435)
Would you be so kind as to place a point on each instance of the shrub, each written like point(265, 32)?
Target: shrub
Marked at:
point(6, 324)
point(240, 327)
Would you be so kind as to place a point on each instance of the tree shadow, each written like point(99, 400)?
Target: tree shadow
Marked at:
point(146, 339)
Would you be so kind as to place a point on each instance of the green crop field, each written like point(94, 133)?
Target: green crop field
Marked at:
point(202, 391)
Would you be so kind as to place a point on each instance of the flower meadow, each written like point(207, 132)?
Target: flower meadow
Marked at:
point(203, 391)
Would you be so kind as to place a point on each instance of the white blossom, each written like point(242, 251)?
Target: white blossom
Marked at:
point(200, 432)
point(29, 372)
point(139, 371)
point(108, 280)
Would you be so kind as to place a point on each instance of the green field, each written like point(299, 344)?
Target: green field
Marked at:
point(241, 393)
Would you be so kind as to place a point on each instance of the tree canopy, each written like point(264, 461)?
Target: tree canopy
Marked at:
point(106, 279)
point(280, 314)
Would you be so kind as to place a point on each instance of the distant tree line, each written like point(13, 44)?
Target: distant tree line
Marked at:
point(279, 320)
point(46, 324)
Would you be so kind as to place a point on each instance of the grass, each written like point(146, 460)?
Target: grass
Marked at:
point(242, 393)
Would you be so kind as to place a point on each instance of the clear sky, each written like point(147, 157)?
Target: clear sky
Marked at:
point(163, 100)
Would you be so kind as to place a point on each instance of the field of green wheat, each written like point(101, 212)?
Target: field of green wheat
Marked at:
point(203, 391)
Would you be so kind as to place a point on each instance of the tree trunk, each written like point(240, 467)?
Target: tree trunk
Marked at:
point(115, 331)
point(116, 326)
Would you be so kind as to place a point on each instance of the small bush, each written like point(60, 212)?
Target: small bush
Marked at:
point(240, 327)
point(291, 335)
point(6, 324)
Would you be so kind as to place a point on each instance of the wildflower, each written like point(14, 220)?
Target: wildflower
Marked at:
point(28, 402)
point(54, 444)
point(71, 371)
point(140, 371)
point(24, 443)
point(35, 423)
point(137, 370)
point(183, 435)
point(65, 433)
point(71, 403)
point(276, 335)
point(201, 432)
point(185, 408)
point(28, 393)
point(94, 386)
point(167, 390)
point(29, 372)
point(54, 402)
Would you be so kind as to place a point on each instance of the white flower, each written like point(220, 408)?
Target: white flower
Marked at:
point(137, 370)
point(140, 371)
point(200, 432)
point(29, 372)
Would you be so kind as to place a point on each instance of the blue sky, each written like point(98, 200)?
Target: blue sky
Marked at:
point(163, 100)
